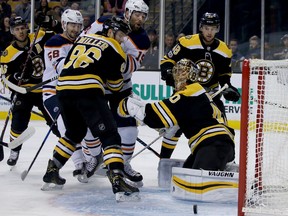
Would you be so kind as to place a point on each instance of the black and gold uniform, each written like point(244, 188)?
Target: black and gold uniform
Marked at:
point(12, 63)
point(93, 62)
point(213, 60)
point(210, 140)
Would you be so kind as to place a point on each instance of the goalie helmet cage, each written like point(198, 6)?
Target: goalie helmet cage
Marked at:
point(263, 177)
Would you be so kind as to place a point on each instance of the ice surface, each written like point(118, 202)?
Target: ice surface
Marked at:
point(25, 198)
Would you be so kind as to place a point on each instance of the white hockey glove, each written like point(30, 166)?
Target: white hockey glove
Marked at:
point(131, 106)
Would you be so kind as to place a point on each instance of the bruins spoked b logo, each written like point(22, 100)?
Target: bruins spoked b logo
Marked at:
point(206, 70)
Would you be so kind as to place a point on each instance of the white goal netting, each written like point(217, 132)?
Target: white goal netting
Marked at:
point(267, 146)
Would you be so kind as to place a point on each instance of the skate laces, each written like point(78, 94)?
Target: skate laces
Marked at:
point(129, 170)
point(13, 155)
point(92, 164)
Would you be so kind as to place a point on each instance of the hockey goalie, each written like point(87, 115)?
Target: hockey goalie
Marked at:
point(211, 141)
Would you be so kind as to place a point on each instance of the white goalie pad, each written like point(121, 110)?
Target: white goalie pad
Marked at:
point(165, 171)
point(204, 185)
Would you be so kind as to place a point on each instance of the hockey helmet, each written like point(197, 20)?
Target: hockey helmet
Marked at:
point(71, 16)
point(184, 72)
point(210, 19)
point(136, 5)
point(116, 24)
point(16, 21)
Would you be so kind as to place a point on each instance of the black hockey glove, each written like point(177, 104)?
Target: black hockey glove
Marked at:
point(231, 94)
point(24, 79)
point(168, 77)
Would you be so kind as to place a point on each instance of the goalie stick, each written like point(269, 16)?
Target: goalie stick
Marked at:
point(23, 90)
point(220, 90)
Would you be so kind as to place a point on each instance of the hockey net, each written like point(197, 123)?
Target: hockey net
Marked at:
point(263, 181)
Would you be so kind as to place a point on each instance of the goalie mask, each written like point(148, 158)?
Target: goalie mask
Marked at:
point(184, 72)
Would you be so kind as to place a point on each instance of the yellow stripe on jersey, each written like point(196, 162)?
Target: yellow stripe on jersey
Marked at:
point(166, 59)
point(114, 85)
point(223, 50)
point(78, 82)
point(191, 42)
point(10, 54)
point(167, 118)
point(208, 132)
point(194, 89)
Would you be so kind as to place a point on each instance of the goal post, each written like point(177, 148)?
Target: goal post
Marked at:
point(263, 170)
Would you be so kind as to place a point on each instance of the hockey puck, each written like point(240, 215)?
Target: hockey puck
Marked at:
point(195, 209)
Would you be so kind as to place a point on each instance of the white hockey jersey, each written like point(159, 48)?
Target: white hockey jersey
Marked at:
point(135, 46)
point(55, 51)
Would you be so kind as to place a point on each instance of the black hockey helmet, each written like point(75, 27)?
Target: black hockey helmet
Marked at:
point(116, 24)
point(211, 19)
point(16, 21)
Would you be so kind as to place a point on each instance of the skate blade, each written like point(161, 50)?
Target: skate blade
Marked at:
point(138, 184)
point(127, 197)
point(82, 178)
point(51, 187)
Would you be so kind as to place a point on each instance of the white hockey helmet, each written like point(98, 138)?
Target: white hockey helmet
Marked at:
point(71, 16)
point(136, 5)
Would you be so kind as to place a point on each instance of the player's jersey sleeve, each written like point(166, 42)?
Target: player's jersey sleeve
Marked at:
point(135, 46)
point(55, 52)
point(95, 26)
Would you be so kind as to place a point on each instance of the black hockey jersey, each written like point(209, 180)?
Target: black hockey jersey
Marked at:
point(214, 61)
point(14, 57)
point(196, 114)
point(92, 62)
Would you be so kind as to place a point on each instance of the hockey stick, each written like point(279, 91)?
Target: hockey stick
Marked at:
point(149, 148)
point(34, 112)
point(220, 90)
point(19, 83)
point(25, 172)
point(24, 90)
point(24, 136)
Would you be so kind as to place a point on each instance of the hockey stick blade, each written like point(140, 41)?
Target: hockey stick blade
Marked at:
point(23, 90)
point(24, 174)
point(29, 132)
point(13, 86)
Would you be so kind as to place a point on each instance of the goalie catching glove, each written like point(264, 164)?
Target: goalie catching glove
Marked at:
point(231, 94)
point(132, 106)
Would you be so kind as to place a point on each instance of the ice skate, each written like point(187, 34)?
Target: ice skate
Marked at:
point(132, 177)
point(52, 179)
point(93, 164)
point(12, 160)
point(80, 173)
point(123, 191)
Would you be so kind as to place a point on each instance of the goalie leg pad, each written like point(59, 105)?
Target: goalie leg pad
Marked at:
point(204, 185)
point(165, 171)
